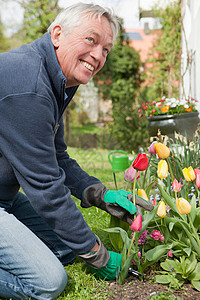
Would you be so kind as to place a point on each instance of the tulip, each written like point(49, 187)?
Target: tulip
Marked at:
point(176, 186)
point(161, 150)
point(161, 212)
point(153, 202)
point(162, 169)
point(189, 174)
point(137, 223)
point(130, 174)
point(141, 162)
point(151, 148)
point(197, 173)
point(183, 206)
point(141, 193)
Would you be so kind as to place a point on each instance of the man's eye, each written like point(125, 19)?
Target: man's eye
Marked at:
point(91, 40)
point(106, 50)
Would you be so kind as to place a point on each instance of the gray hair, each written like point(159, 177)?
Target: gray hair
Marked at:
point(71, 17)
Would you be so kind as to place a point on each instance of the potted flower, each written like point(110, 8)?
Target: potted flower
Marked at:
point(171, 115)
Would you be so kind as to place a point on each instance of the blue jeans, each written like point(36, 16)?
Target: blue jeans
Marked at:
point(31, 254)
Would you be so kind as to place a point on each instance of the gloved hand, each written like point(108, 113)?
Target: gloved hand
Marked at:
point(116, 203)
point(112, 269)
point(104, 264)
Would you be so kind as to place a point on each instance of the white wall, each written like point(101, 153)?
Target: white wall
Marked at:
point(191, 49)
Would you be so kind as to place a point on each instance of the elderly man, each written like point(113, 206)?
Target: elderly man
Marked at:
point(42, 229)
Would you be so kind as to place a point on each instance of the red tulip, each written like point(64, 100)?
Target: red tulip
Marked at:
point(141, 162)
point(137, 223)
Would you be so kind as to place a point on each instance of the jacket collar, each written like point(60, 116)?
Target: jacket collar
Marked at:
point(46, 49)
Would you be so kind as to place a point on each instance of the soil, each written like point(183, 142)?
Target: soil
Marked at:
point(134, 289)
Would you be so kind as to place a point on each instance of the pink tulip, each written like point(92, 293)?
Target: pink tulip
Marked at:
point(130, 174)
point(137, 223)
point(176, 186)
point(151, 148)
point(197, 173)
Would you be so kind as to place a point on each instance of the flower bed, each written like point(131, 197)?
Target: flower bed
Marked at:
point(167, 106)
point(169, 234)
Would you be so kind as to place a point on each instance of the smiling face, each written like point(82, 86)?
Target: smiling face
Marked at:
point(82, 53)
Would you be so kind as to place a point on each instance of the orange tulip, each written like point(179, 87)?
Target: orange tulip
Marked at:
point(183, 206)
point(189, 174)
point(162, 169)
point(162, 151)
point(141, 193)
point(161, 212)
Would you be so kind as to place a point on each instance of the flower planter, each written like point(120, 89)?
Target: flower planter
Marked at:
point(169, 124)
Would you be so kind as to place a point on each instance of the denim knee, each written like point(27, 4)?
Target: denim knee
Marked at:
point(54, 284)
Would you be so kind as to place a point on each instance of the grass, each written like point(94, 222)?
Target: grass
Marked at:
point(87, 128)
point(81, 283)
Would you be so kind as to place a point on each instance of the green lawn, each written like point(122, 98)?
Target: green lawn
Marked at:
point(82, 284)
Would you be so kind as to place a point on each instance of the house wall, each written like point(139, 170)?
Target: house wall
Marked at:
point(190, 69)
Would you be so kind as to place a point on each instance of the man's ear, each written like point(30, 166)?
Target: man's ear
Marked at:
point(55, 35)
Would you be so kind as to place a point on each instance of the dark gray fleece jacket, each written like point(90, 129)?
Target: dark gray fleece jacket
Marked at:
point(32, 149)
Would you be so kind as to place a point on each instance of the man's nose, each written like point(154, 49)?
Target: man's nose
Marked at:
point(97, 52)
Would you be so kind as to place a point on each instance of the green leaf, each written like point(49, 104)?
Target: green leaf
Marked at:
point(168, 264)
point(191, 266)
point(194, 209)
point(125, 267)
point(156, 253)
point(147, 218)
point(115, 238)
point(187, 251)
point(163, 279)
point(196, 274)
point(196, 284)
point(171, 226)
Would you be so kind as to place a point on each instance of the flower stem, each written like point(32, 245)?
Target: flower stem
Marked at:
point(170, 169)
point(134, 184)
point(145, 174)
point(194, 231)
point(131, 243)
point(197, 190)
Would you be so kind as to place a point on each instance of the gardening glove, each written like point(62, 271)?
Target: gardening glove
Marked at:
point(103, 263)
point(116, 203)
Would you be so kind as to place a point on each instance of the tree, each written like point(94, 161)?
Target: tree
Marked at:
point(120, 80)
point(38, 15)
point(166, 53)
point(4, 43)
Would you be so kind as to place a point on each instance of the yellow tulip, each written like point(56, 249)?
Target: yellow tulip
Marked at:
point(189, 174)
point(161, 212)
point(183, 206)
point(162, 170)
point(161, 150)
point(141, 193)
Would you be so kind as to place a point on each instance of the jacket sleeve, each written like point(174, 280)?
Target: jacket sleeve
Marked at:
point(27, 140)
point(76, 178)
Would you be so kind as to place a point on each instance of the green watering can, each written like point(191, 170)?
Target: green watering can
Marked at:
point(119, 161)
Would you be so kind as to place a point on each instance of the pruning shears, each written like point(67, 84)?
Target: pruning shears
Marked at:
point(133, 272)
